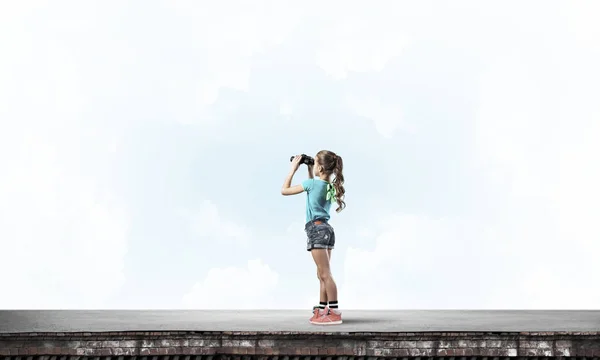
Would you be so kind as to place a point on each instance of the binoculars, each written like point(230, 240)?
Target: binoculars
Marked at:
point(305, 160)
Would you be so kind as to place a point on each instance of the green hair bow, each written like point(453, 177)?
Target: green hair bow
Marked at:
point(331, 193)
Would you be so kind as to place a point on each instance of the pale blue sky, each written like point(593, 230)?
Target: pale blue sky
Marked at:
point(143, 146)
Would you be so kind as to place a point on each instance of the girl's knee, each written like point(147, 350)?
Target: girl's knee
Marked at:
point(324, 275)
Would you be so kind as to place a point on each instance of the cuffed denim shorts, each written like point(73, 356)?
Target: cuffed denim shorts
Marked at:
point(320, 235)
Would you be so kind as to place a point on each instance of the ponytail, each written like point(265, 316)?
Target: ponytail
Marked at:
point(338, 183)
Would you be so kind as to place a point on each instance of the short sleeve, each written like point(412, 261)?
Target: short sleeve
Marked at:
point(307, 184)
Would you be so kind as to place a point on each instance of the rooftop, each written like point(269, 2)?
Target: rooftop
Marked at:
point(45, 321)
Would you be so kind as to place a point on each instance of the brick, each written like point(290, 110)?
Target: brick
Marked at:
point(208, 351)
point(493, 343)
point(445, 345)
point(128, 344)
point(148, 344)
point(400, 352)
point(344, 351)
point(466, 343)
point(359, 350)
point(202, 351)
point(172, 343)
point(535, 352)
point(402, 344)
point(230, 343)
point(236, 350)
point(543, 345)
point(415, 352)
point(424, 344)
point(127, 351)
point(589, 352)
point(503, 352)
point(153, 351)
point(110, 344)
point(239, 343)
point(379, 352)
point(266, 343)
point(204, 343)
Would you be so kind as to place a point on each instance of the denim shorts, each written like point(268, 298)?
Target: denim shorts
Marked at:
point(320, 235)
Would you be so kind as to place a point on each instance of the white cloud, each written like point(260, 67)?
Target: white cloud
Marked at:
point(539, 141)
point(63, 236)
point(414, 259)
point(361, 39)
point(229, 34)
point(294, 227)
point(582, 23)
point(249, 287)
point(63, 233)
point(387, 118)
point(286, 109)
point(511, 123)
point(536, 139)
point(208, 223)
point(534, 243)
point(537, 243)
point(365, 232)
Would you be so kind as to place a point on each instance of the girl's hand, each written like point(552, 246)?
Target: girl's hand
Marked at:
point(296, 163)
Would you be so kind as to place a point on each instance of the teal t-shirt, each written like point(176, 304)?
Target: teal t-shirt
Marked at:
point(317, 205)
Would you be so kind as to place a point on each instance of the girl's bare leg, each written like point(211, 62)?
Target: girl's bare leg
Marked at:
point(321, 258)
point(323, 290)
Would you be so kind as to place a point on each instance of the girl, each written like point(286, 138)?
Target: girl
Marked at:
point(321, 192)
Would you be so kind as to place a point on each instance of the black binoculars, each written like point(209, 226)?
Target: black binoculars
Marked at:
point(305, 160)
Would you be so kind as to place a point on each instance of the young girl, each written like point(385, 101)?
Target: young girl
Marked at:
point(321, 192)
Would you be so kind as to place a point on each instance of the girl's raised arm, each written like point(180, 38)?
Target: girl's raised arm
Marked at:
point(287, 189)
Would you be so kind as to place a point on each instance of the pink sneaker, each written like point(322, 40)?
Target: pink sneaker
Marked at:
point(316, 313)
point(329, 317)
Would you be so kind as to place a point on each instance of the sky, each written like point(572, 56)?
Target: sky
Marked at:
point(143, 146)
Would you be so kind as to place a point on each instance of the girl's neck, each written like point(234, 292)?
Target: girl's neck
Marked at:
point(323, 178)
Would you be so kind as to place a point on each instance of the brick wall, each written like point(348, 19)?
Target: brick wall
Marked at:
point(289, 345)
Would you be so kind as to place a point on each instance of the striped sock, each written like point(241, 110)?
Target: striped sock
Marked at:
point(333, 304)
point(322, 305)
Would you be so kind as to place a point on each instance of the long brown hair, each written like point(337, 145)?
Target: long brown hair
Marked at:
point(333, 164)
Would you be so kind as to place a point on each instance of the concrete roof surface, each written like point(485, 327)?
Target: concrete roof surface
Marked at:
point(16, 321)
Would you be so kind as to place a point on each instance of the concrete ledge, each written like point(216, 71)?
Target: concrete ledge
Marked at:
point(297, 321)
point(298, 345)
point(287, 335)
